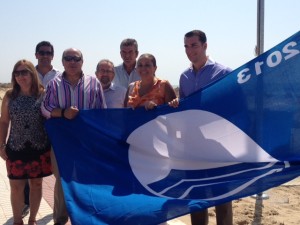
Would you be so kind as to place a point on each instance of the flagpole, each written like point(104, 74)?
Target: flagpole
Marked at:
point(260, 27)
point(259, 50)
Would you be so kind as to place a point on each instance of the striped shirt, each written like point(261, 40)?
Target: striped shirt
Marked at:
point(87, 94)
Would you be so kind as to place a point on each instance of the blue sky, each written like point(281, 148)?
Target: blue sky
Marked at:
point(97, 27)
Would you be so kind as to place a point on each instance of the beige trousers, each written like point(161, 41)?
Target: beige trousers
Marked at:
point(60, 213)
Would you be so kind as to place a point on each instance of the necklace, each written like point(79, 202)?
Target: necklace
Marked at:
point(145, 88)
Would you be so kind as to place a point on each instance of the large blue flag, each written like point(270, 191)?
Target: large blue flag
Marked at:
point(237, 137)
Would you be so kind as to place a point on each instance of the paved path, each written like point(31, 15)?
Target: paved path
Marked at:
point(44, 216)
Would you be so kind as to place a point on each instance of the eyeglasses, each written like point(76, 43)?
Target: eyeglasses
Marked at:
point(146, 66)
point(43, 53)
point(22, 73)
point(72, 58)
point(106, 71)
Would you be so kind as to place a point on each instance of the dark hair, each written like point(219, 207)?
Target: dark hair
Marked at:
point(200, 34)
point(36, 86)
point(150, 56)
point(129, 42)
point(44, 43)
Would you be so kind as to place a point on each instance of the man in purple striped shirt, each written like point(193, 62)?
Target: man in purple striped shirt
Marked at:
point(65, 95)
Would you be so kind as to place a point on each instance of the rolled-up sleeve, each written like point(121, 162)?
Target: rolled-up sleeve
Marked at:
point(87, 94)
point(50, 100)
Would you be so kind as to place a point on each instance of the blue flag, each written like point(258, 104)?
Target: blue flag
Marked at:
point(237, 137)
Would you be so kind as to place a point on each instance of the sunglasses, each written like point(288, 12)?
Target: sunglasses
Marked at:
point(22, 73)
point(72, 58)
point(43, 53)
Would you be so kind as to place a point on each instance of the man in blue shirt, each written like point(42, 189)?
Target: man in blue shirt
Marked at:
point(202, 72)
point(126, 72)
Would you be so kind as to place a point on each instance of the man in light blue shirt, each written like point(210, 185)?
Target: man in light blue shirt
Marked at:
point(114, 94)
point(126, 72)
point(202, 72)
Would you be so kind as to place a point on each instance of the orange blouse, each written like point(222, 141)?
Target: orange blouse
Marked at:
point(156, 94)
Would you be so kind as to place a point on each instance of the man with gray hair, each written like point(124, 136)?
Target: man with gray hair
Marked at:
point(66, 94)
point(126, 72)
point(114, 94)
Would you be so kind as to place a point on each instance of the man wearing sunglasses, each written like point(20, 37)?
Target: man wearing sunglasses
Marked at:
point(66, 94)
point(44, 53)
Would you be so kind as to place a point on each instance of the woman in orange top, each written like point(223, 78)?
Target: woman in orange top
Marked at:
point(150, 91)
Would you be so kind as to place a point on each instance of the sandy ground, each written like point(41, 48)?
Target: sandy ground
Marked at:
point(2, 92)
point(282, 207)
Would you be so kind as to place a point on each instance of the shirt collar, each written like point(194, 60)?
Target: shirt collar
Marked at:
point(209, 61)
point(111, 87)
point(65, 80)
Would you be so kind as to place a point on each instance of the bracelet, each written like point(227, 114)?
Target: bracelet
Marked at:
point(3, 145)
point(62, 113)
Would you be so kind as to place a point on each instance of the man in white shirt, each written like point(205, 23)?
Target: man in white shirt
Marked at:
point(44, 53)
point(114, 94)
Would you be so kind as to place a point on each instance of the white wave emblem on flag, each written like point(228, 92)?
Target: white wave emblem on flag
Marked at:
point(188, 141)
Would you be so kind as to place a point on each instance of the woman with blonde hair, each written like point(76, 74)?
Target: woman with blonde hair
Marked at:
point(25, 147)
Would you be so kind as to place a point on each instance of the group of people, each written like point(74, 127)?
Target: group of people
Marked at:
point(41, 92)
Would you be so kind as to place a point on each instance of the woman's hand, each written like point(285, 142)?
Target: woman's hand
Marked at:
point(150, 105)
point(174, 103)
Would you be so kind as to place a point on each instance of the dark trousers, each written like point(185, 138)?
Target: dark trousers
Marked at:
point(223, 214)
point(26, 193)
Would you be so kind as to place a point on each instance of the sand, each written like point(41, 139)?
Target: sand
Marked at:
point(282, 207)
point(2, 92)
